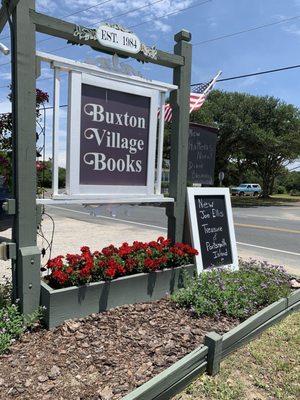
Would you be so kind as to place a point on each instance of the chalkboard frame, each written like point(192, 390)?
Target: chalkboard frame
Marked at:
point(193, 222)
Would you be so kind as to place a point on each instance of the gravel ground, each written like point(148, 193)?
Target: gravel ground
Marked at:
point(104, 356)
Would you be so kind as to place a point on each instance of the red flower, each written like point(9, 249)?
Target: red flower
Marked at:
point(111, 272)
point(85, 249)
point(121, 270)
point(102, 264)
point(40, 166)
point(73, 259)
point(152, 265)
point(56, 262)
point(109, 251)
point(112, 262)
point(60, 276)
point(85, 272)
point(130, 263)
point(124, 250)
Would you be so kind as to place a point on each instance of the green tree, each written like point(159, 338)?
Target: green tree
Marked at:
point(6, 125)
point(258, 133)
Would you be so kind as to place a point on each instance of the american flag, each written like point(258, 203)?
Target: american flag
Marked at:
point(197, 97)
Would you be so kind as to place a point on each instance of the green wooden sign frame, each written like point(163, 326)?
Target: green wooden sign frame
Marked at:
point(24, 23)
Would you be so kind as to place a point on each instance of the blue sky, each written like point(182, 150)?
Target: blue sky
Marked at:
point(267, 48)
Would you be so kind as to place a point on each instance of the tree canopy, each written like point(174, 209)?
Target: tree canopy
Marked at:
point(6, 126)
point(260, 134)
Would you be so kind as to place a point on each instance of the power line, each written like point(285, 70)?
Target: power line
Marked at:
point(70, 15)
point(152, 19)
point(41, 108)
point(293, 169)
point(129, 11)
point(269, 71)
point(108, 19)
point(116, 16)
point(198, 43)
point(171, 13)
point(247, 30)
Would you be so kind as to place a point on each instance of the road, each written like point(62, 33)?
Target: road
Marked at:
point(268, 233)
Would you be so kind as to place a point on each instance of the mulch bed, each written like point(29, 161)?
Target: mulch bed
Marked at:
point(104, 356)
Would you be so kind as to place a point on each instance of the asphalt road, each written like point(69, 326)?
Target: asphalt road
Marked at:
point(269, 233)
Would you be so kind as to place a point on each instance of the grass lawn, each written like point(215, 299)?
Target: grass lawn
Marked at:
point(275, 200)
point(266, 369)
point(286, 197)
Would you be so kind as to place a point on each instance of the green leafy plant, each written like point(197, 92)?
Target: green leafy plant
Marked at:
point(234, 293)
point(5, 292)
point(12, 322)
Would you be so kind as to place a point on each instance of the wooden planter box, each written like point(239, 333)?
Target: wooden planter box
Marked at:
point(80, 301)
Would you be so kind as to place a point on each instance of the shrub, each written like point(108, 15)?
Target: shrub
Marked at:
point(5, 292)
point(12, 322)
point(281, 190)
point(295, 192)
point(234, 293)
point(112, 262)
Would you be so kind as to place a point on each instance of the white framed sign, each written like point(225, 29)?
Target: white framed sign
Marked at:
point(114, 135)
point(211, 227)
point(111, 137)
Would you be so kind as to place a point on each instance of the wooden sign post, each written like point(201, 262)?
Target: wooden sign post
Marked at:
point(212, 230)
point(24, 23)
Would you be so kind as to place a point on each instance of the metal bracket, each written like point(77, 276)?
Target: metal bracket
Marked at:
point(9, 206)
point(39, 212)
point(8, 251)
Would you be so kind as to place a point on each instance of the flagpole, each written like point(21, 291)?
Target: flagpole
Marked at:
point(206, 90)
point(212, 82)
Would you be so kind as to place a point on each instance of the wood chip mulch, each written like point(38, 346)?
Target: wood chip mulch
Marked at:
point(104, 356)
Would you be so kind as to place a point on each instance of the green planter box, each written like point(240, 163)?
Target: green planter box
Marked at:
point(80, 301)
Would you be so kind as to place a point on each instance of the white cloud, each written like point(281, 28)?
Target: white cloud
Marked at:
point(46, 6)
point(126, 12)
point(162, 26)
point(250, 81)
point(5, 106)
point(46, 73)
point(294, 29)
point(6, 76)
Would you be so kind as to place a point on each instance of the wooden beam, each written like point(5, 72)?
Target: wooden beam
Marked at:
point(3, 12)
point(64, 30)
point(26, 267)
point(180, 103)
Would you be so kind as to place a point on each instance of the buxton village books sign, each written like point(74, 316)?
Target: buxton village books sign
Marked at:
point(212, 229)
point(114, 135)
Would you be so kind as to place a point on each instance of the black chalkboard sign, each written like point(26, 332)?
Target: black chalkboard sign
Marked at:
point(201, 154)
point(212, 227)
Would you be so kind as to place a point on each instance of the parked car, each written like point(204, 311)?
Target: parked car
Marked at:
point(246, 189)
point(5, 220)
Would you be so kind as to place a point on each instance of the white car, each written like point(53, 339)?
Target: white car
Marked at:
point(246, 189)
